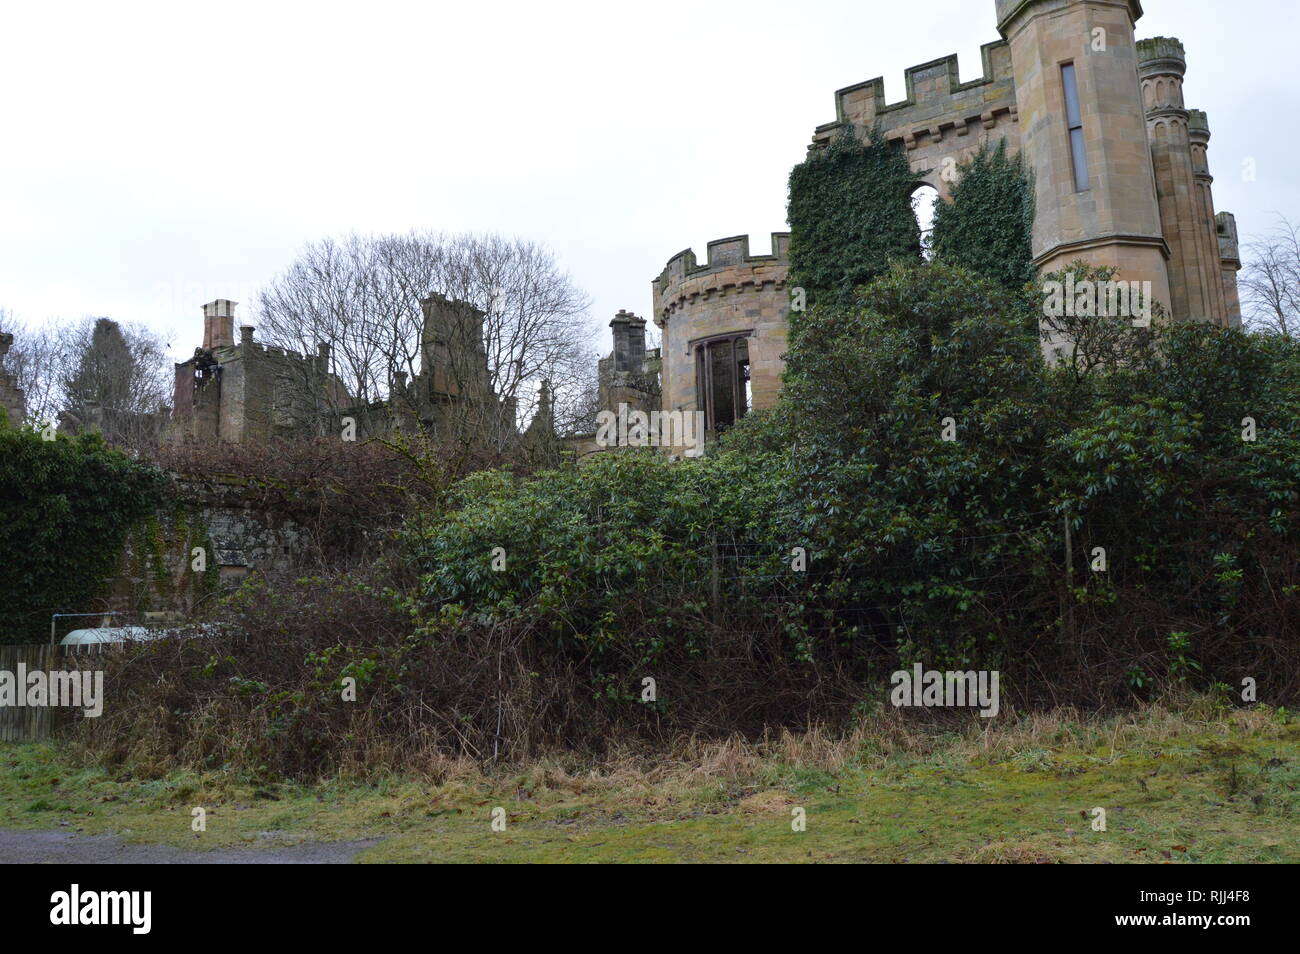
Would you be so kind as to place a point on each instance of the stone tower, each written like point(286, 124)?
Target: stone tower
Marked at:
point(1179, 138)
point(1083, 134)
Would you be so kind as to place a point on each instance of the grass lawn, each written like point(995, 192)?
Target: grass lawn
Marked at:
point(1189, 785)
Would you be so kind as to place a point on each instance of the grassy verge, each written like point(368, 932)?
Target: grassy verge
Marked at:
point(1186, 785)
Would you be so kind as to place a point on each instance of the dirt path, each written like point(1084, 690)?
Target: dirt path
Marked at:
point(58, 847)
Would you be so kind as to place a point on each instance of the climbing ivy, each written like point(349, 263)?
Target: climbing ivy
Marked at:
point(988, 224)
point(66, 507)
point(850, 214)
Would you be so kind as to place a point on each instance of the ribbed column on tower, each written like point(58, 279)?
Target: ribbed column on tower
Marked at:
point(1178, 138)
point(1161, 66)
point(1207, 233)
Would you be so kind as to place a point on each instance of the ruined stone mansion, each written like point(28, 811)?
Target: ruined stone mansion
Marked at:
point(1121, 178)
point(242, 390)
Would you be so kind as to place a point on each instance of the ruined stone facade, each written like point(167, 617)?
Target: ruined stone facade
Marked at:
point(13, 402)
point(245, 391)
point(1119, 165)
point(452, 393)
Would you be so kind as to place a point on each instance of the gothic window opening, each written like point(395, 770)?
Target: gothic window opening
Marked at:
point(924, 199)
point(723, 387)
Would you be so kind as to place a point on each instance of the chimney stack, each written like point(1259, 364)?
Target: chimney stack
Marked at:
point(219, 324)
point(629, 341)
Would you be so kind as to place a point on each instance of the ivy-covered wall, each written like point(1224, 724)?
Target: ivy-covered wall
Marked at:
point(67, 506)
point(850, 215)
point(160, 571)
point(988, 224)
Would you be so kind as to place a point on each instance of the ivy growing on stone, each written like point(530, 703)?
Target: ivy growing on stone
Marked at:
point(850, 215)
point(988, 224)
point(66, 507)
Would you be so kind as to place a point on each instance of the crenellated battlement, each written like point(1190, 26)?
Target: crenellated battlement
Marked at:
point(937, 103)
point(1165, 52)
point(729, 268)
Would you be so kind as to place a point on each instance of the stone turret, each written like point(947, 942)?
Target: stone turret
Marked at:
point(734, 295)
point(1178, 137)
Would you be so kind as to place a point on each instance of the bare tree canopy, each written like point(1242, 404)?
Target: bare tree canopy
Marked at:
point(362, 296)
point(94, 374)
point(1270, 281)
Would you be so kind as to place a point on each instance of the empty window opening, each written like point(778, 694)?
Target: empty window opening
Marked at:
point(925, 199)
point(723, 387)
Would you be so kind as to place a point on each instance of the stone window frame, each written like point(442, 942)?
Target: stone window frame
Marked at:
point(742, 381)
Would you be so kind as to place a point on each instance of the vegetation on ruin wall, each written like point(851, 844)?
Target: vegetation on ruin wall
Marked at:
point(850, 214)
point(66, 507)
point(924, 549)
point(919, 550)
point(987, 226)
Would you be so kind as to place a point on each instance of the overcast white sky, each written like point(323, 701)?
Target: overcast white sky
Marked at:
point(158, 155)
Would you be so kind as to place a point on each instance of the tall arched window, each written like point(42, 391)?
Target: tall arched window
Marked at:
point(723, 388)
point(924, 199)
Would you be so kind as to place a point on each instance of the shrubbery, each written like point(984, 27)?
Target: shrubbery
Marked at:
point(951, 553)
point(66, 506)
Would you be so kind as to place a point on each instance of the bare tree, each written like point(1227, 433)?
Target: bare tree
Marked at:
point(506, 318)
point(32, 359)
point(94, 374)
point(1270, 281)
point(115, 382)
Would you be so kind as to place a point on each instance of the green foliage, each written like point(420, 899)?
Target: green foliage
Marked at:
point(988, 224)
point(615, 558)
point(66, 507)
point(850, 214)
point(950, 552)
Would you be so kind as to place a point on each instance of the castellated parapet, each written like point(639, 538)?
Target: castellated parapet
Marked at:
point(732, 294)
point(941, 121)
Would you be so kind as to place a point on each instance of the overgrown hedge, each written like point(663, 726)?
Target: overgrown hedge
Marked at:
point(530, 615)
point(66, 506)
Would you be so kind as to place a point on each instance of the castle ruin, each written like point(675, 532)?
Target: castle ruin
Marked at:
point(237, 391)
point(1120, 170)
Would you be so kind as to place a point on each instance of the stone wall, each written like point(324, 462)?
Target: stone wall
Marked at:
point(237, 535)
point(13, 403)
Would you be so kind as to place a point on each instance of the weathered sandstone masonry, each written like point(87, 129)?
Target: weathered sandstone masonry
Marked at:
point(724, 328)
point(1120, 165)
